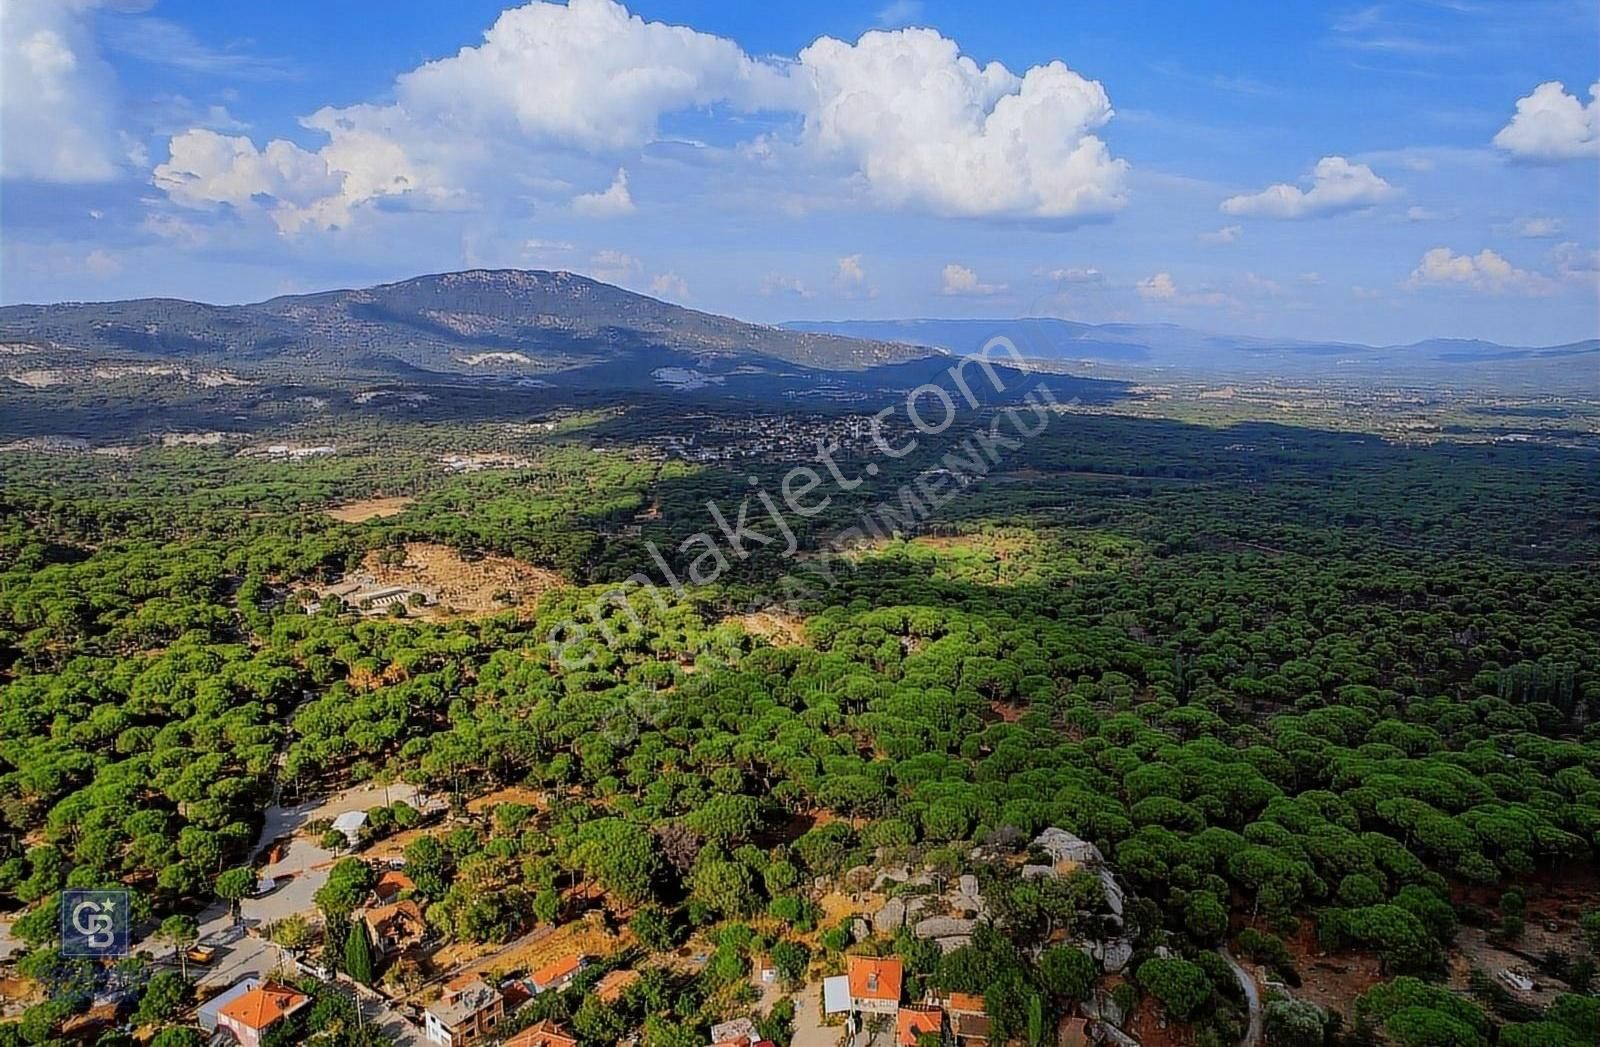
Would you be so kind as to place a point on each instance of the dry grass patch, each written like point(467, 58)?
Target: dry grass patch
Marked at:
point(370, 509)
point(462, 586)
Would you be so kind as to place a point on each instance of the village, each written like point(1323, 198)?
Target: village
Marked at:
point(252, 978)
point(451, 995)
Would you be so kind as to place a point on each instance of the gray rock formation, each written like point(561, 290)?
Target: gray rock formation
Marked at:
point(943, 927)
point(1113, 954)
point(1065, 847)
point(890, 918)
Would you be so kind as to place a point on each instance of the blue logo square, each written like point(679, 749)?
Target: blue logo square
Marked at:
point(94, 924)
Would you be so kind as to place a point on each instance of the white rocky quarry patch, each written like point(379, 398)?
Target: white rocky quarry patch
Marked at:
point(685, 378)
point(479, 359)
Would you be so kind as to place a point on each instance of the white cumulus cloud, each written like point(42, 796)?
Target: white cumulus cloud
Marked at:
point(1573, 262)
point(1551, 124)
point(1160, 288)
point(669, 285)
point(928, 127)
point(1228, 234)
point(1536, 227)
point(614, 266)
point(903, 116)
point(1157, 288)
point(959, 280)
point(785, 284)
point(57, 94)
point(1336, 186)
point(1076, 275)
point(206, 169)
point(608, 203)
point(1485, 271)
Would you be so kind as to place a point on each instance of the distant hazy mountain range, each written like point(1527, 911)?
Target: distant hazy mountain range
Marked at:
point(1170, 347)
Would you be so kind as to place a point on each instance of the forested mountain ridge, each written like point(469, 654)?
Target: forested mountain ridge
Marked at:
point(506, 322)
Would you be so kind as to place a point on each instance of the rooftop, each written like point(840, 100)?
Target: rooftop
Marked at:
point(471, 999)
point(556, 970)
point(264, 1005)
point(912, 1022)
point(544, 1033)
point(875, 977)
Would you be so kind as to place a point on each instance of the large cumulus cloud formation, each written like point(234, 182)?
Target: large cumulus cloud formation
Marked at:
point(905, 114)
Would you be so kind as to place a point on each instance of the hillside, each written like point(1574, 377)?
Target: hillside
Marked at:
point(479, 322)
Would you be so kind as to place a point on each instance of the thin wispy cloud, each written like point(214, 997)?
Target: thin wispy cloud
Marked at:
point(150, 39)
point(898, 13)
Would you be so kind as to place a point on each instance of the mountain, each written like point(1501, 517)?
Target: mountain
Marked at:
point(506, 323)
point(1173, 348)
point(481, 344)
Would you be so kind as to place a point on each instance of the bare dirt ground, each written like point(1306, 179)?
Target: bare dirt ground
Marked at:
point(1331, 979)
point(370, 509)
point(583, 937)
point(777, 628)
point(395, 846)
point(486, 803)
point(1152, 1029)
point(1473, 949)
point(486, 585)
point(1556, 901)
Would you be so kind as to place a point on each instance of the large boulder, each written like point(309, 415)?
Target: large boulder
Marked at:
point(1114, 896)
point(1065, 847)
point(943, 927)
point(1113, 955)
point(890, 918)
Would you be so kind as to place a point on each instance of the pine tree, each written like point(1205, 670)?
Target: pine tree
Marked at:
point(358, 959)
point(1035, 1021)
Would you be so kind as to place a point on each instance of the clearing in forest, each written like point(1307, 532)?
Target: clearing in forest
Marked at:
point(484, 585)
point(777, 628)
point(370, 509)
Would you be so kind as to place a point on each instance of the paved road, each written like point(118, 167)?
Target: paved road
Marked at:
point(304, 867)
point(1252, 995)
point(808, 1028)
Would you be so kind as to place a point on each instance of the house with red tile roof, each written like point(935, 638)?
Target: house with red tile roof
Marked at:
point(249, 1015)
point(917, 1020)
point(875, 983)
point(545, 1033)
point(395, 927)
point(557, 974)
point(968, 1017)
point(391, 884)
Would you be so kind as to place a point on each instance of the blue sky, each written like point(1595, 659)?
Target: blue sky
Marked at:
point(1375, 172)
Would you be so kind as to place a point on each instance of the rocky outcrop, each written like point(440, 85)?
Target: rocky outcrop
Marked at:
point(890, 918)
point(944, 927)
point(1065, 847)
point(1113, 954)
point(1074, 854)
